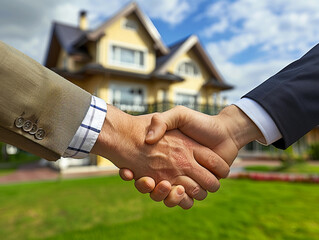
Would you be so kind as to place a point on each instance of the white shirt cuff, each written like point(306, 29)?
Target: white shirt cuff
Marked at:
point(88, 132)
point(261, 118)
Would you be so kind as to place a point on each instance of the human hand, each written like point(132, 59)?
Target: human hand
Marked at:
point(225, 133)
point(175, 157)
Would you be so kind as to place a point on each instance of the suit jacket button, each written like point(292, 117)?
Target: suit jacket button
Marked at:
point(27, 126)
point(19, 122)
point(34, 129)
point(39, 134)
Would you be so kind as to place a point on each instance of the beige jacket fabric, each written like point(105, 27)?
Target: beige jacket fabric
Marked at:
point(39, 110)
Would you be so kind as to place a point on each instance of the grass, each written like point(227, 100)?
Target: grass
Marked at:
point(295, 168)
point(107, 208)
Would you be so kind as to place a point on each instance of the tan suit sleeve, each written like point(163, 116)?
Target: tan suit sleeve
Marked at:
point(36, 96)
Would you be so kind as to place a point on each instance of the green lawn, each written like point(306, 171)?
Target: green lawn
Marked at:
point(107, 208)
point(295, 168)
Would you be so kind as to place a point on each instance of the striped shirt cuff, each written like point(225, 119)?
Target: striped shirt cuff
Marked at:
point(88, 132)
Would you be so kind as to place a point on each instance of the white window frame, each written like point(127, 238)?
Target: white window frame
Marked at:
point(184, 61)
point(132, 47)
point(124, 107)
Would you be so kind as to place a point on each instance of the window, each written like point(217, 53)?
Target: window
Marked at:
point(188, 68)
point(187, 100)
point(128, 98)
point(128, 57)
point(130, 24)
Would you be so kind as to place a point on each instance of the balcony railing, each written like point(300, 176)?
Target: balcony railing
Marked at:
point(138, 109)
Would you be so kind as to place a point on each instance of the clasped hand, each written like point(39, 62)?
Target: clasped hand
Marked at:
point(178, 155)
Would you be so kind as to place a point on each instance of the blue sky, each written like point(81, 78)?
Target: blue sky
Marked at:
point(248, 40)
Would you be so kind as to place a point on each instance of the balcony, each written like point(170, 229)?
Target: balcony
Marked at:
point(139, 109)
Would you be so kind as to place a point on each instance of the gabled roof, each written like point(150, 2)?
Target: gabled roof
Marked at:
point(147, 23)
point(64, 36)
point(73, 38)
point(184, 46)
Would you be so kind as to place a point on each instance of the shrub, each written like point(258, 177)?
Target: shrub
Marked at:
point(314, 151)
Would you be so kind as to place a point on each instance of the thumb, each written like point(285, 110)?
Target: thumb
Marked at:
point(162, 122)
point(156, 129)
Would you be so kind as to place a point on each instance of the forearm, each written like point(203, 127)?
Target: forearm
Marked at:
point(38, 96)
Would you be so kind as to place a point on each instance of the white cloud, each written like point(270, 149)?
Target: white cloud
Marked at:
point(279, 25)
point(26, 24)
point(170, 11)
point(247, 76)
point(281, 31)
point(219, 27)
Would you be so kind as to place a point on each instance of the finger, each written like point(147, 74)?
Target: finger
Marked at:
point(145, 184)
point(186, 202)
point(175, 196)
point(156, 129)
point(203, 177)
point(126, 174)
point(161, 191)
point(192, 188)
point(211, 161)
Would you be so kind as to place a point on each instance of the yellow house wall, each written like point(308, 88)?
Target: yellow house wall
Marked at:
point(191, 84)
point(139, 40)
point(62, 56)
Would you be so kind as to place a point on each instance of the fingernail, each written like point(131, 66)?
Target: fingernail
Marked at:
point(180, 191)
point(150, 134)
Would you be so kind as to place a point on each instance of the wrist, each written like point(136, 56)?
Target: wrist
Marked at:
point(239, 126)
point(112, 132)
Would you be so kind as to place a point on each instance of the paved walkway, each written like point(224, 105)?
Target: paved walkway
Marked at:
point(30, 172)
point(37, 172)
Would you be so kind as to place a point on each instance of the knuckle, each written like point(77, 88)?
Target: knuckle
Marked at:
point(180, 108)
point(212, 161)
point(195, 191)
point(156, 116)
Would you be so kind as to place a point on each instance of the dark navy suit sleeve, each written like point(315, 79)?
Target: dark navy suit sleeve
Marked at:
point(291, 97)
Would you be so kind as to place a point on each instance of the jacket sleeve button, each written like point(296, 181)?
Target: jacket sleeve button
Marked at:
point(34, 129)
point(19, 122)
point(27, 126)
point(39, 134)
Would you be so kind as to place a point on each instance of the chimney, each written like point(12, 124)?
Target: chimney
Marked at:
point(83, 22)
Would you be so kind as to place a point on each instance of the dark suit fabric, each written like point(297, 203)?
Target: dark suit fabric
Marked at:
point(291, 97)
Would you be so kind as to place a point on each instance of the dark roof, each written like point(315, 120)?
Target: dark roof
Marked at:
point(68, 36)
point(217, 84)
point(95, 68)
point(172, 49)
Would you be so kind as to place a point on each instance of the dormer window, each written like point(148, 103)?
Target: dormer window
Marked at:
point(130, 24)
point(188, 68)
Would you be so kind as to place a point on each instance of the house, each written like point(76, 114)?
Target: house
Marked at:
point(125, 62)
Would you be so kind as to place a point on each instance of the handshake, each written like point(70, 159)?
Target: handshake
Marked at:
point(176, 156)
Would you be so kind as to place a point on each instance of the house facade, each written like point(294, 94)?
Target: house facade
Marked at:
point(125, 62)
